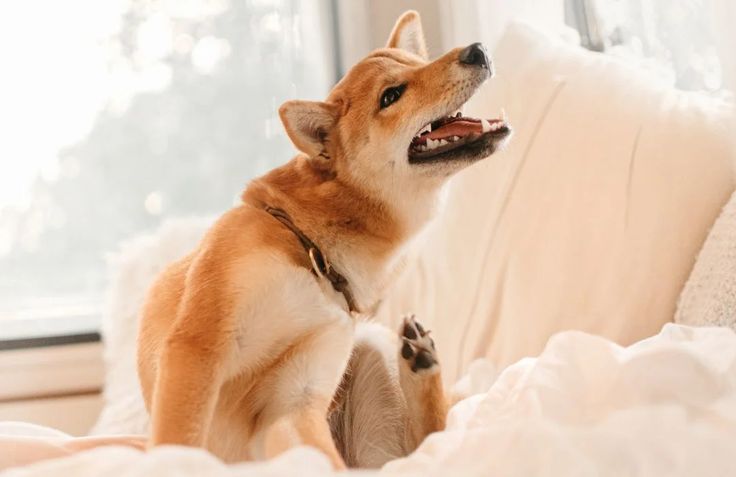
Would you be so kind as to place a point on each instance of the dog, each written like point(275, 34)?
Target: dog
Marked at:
point(254, 342)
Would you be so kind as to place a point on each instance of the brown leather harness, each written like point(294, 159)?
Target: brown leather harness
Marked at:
point(321, 267)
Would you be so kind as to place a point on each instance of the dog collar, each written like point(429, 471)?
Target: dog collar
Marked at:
point(321, 267)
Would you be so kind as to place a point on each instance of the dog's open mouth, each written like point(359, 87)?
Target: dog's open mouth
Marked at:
point(456, 136)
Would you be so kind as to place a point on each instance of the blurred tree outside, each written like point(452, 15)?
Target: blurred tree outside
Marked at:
point(187, 146)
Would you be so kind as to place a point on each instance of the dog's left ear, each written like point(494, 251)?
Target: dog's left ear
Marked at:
point(408, 35)
point(308, 123)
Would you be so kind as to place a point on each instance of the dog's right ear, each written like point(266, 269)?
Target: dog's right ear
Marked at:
point(408, 35)
point(308, 123)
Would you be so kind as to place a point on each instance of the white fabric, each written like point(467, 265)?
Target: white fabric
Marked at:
point(27, 429)
point(709, 297)
point(664, 406)
point(592, 218)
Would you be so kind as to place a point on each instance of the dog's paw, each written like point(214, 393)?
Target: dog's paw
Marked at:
point(417, 348)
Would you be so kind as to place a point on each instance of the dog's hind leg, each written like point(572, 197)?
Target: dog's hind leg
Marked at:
point(388, 401)
point(421, 383)
point(368, 413)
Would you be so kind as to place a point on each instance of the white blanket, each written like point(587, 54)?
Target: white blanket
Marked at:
point(585, 406)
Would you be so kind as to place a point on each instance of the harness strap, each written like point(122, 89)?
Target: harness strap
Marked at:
point(321, 267)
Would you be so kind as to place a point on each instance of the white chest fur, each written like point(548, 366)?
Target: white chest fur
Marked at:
point(281, 303)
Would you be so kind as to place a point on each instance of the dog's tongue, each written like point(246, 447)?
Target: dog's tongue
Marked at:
point(456, 128)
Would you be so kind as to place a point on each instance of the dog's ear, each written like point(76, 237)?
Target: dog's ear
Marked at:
point(408, 34)
point(308, 124)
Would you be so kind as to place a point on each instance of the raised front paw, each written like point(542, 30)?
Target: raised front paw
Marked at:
point(417, 348)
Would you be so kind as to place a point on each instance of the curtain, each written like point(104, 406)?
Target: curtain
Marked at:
point(724, 13)
point(690, 43)
point(466, 21)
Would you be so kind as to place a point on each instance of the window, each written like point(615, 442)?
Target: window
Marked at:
point(672, 38)
point(116, 115)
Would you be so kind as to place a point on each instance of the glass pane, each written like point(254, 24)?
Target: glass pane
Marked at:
point(118, 114)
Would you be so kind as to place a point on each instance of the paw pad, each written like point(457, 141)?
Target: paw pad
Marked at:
point(417, 348)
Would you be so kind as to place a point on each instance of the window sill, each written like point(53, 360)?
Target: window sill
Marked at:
point(22, 333)
point(51, 370)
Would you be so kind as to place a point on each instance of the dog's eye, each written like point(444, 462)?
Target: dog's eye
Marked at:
point(391, 95)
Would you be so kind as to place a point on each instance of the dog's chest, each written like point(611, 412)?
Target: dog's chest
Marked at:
point(286, 304)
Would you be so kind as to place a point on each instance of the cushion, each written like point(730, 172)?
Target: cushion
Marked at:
point(709, 297)
point(590, 220)
point(665, 406)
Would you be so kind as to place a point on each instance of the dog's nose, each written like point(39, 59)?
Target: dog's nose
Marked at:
point(475, 55)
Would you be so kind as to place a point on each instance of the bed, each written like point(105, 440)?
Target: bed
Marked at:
point(586, 406)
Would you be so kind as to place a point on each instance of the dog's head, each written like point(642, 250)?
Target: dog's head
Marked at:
point(392, 125)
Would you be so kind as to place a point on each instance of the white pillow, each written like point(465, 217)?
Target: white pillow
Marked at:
point(709, 297)
point(590, 220)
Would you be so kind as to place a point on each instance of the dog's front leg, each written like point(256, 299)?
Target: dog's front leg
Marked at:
point(190, 370)
point(186, 391)
point(305, 426)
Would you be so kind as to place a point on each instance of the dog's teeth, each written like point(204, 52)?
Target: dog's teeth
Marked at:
point(455, 138)
point(443, 142)
point(485, 125)
point(426, 129)
point(430, 143)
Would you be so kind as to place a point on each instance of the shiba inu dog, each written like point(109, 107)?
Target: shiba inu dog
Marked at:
point(253, 343)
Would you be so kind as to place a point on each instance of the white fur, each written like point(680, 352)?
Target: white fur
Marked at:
point(280, 301)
